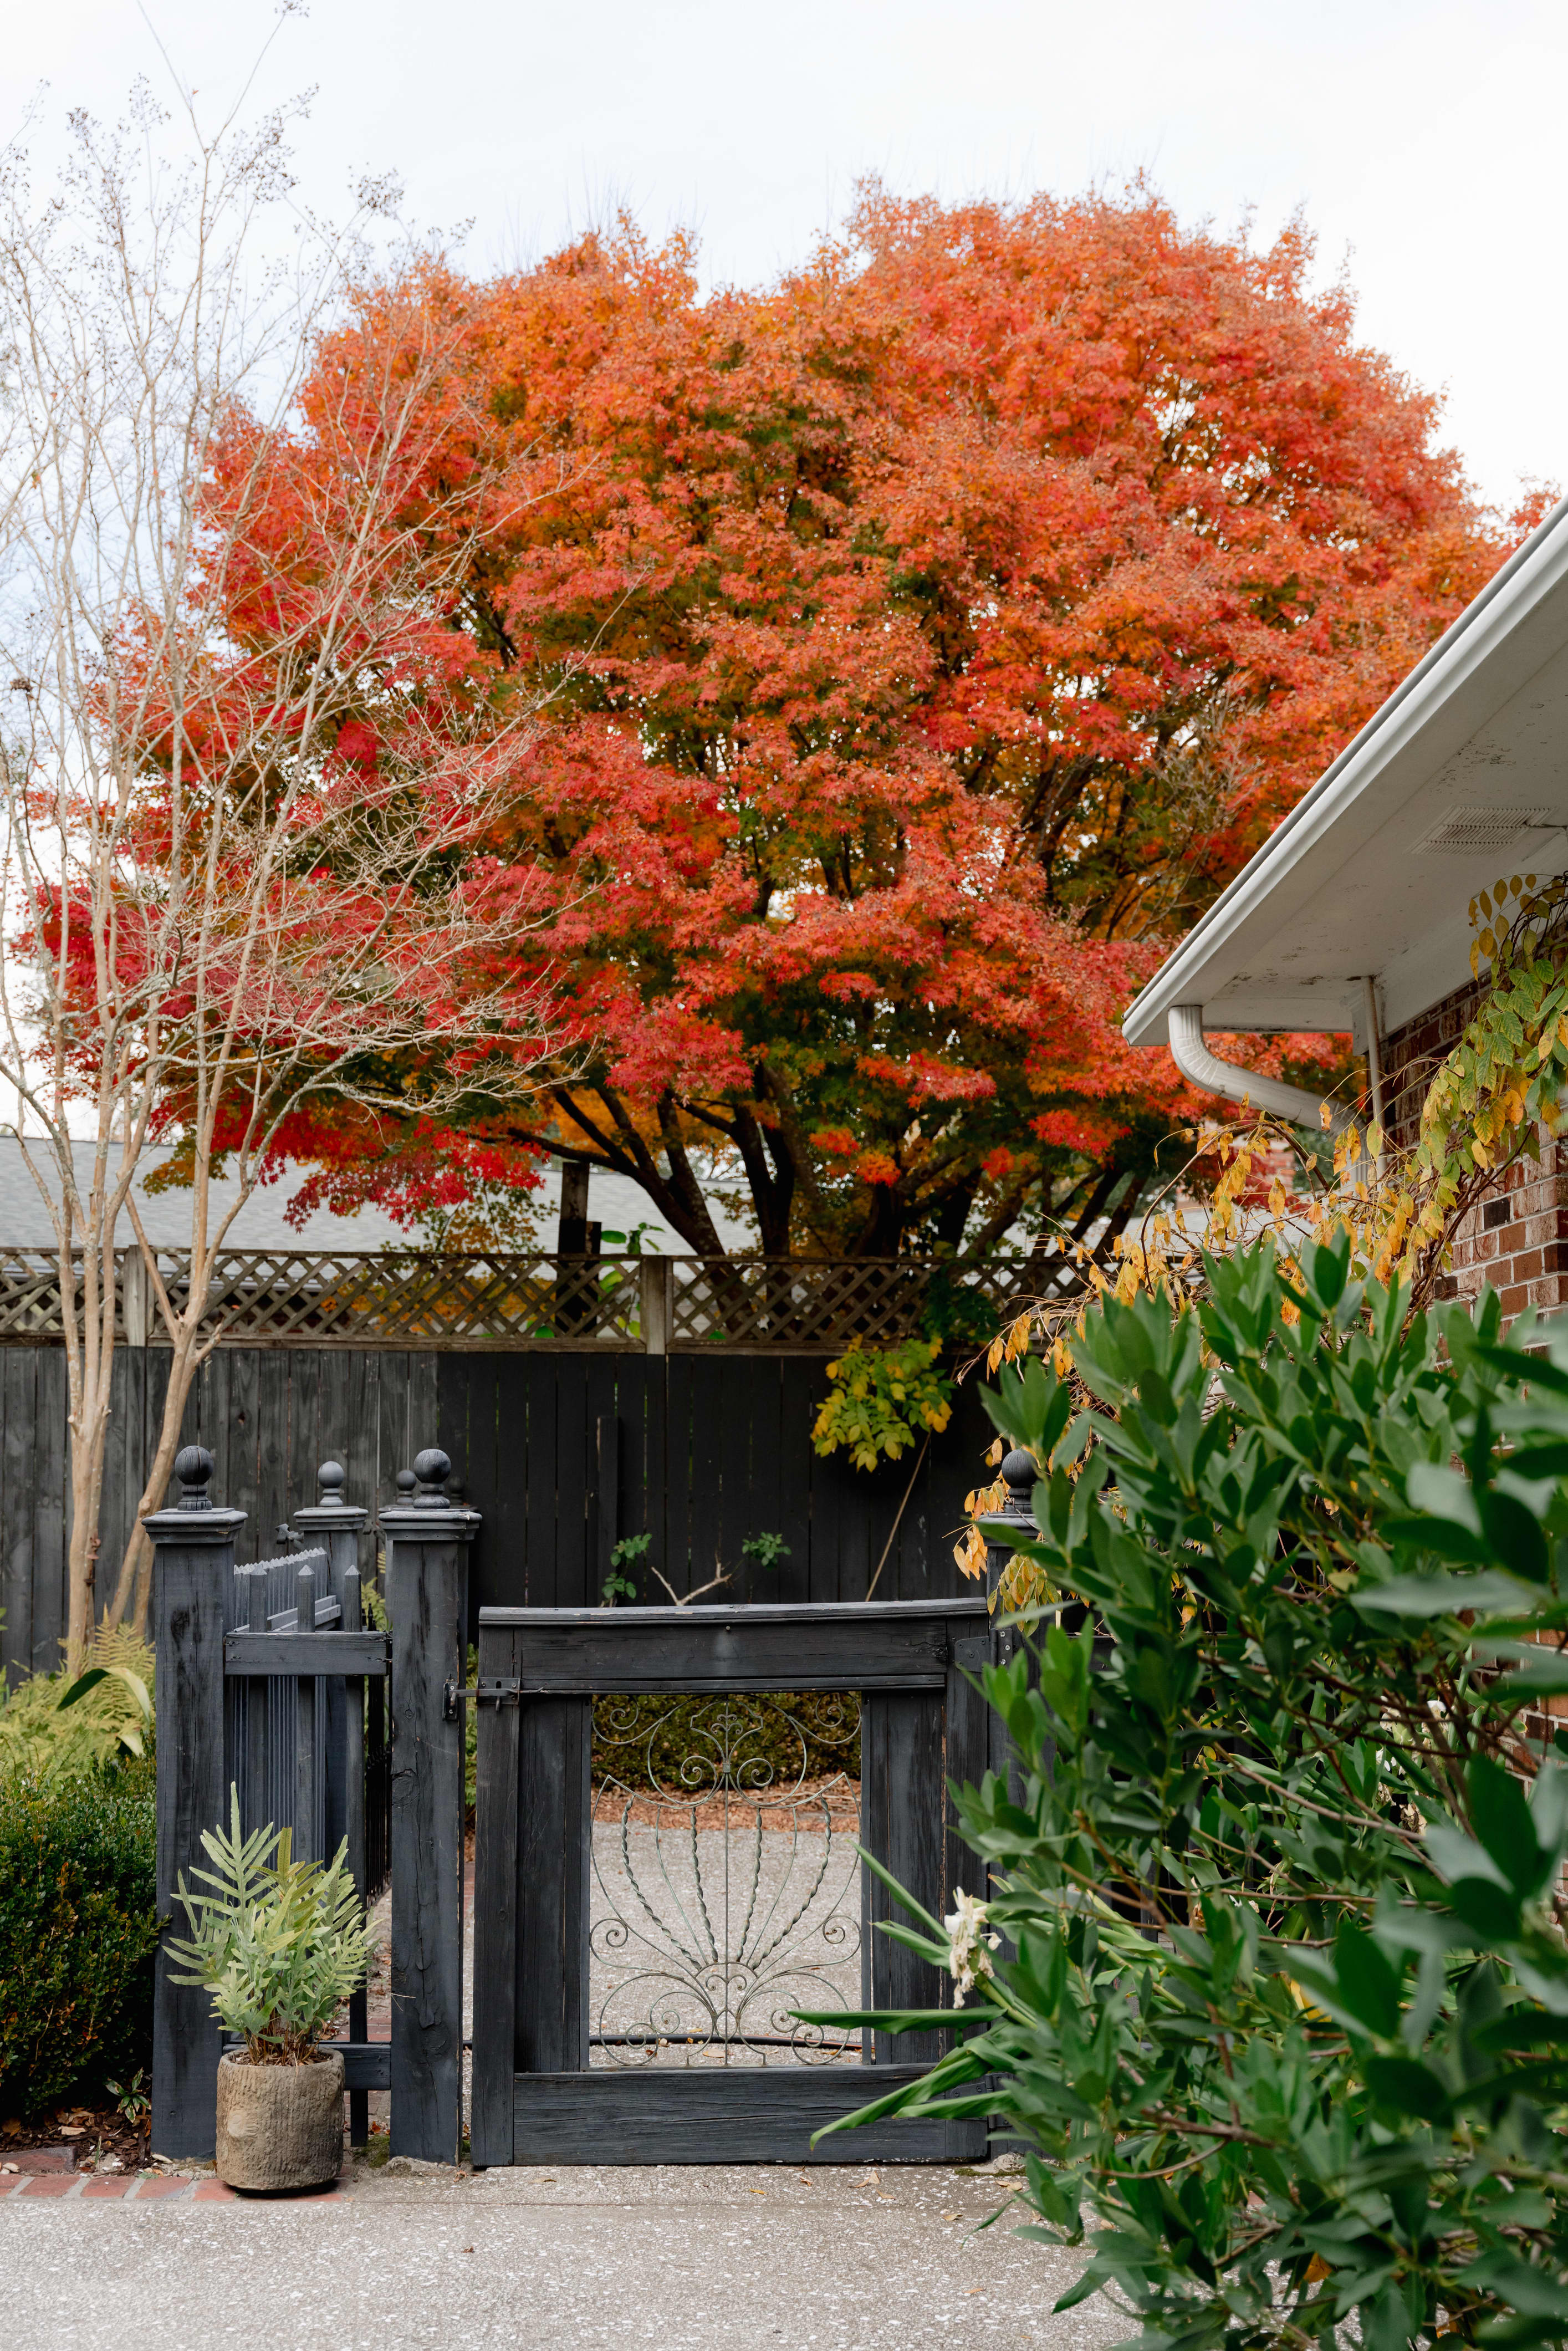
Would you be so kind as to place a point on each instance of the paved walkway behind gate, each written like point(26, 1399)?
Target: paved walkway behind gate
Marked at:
point(729, 2258)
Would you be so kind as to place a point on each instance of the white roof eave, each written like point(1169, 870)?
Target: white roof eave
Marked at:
point(1497, 644)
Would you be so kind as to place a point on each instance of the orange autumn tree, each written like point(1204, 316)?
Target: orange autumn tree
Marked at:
point(921, 643)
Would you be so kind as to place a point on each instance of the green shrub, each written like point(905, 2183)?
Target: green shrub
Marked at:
point(79, 1927)
point(1279, 2012)
point(644, 1741)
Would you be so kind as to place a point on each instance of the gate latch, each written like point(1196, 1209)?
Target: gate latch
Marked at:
point(490, 1689)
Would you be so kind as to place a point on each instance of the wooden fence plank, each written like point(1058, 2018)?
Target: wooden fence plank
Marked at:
point(536, 1451)
point(121, 1461)
point(304, 1452)
point(764, 1492)
point(666, 2114)
point(270, 1403)
point(556, 1737)
point(573, 1469)
point(501, 1553)
point(736, 1433)
point(48, 1468)
point(394, 1451)
point(314, 1653)
point(901, 1646)
point(602, 1528)
point(706, 1503)
point(797, 1412)
point(632, 1382)
point(497, 1769)
point(18, 1379)
point(652, 1515)
point(901, 1750)
point(423, 1401)
point(677, 1466)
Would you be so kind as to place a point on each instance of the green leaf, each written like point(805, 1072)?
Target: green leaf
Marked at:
point(1427, 1596)
point(82, 1684)
point(1504, 1828)
point(1540, 1677)
point(1368, 1984)
point(1437, 1492)
point(1531, 2291)
point(1403, 2085)
point(1515, 1536)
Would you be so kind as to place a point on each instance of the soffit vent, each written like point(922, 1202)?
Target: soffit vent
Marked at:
point(1467, 831)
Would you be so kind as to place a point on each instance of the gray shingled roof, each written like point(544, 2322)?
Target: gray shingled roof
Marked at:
point(25, 1223)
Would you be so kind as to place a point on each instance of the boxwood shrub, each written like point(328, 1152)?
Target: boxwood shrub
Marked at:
point(79, 1927)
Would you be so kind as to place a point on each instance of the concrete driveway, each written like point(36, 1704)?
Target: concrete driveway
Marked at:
point(731, 2259)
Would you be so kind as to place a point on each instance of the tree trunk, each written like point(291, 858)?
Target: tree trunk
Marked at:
point(134, 1591)
point(90, 1433)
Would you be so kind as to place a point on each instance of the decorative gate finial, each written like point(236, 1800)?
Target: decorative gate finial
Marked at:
point(194, 1467)
point(431, 1469)
point(1020, 1471)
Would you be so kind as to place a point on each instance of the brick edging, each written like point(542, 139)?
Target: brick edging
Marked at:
point(96, 2188)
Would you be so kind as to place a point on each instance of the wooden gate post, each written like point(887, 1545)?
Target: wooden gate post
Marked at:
point(193, 1566)
point(337, 1526)
point(427, 1596)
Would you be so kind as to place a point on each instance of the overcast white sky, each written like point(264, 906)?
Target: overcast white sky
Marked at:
point(1422, 140)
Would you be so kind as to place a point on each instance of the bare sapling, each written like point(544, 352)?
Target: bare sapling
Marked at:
point(252, 755)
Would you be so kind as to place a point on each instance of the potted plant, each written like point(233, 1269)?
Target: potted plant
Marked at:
point(279, 1944)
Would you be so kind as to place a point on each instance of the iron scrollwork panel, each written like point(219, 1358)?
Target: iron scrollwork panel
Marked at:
point(725, 1881)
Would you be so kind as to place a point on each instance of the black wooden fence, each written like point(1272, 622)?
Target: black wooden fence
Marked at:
point(922, 1723)
point(562, 1453)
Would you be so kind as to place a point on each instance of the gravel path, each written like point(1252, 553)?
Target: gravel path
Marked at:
point(696, 1931)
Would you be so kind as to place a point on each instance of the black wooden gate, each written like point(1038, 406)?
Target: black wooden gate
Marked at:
point(681, 1875)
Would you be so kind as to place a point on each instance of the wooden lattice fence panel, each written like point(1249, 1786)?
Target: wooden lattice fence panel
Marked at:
point(280, 1298)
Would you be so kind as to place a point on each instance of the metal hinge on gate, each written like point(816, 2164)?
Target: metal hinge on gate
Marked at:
point(490, 1689)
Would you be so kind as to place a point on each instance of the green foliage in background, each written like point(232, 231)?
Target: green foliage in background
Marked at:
point(628, 1554)
point(958, 1315)
point(278, 1943)
point(54, 1727)
point(79, 1927)
point(675, 1744)
point(879, 1398)
point(1279, 2012)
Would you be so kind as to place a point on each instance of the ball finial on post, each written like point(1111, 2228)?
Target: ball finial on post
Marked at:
point(431, 1469)
point(405, 1482)
point(1020, 1471)
point(331, 1478)
point(194, 1467)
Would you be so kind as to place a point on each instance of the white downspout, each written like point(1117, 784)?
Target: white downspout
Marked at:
point(1194, 1060)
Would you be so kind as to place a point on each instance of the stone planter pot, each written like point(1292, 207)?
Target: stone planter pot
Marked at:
point(279, 2125)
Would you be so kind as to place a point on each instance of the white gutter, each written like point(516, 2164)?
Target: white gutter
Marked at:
point(1194, 1060)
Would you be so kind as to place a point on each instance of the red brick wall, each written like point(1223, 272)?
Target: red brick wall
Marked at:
point(1516, 1239)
